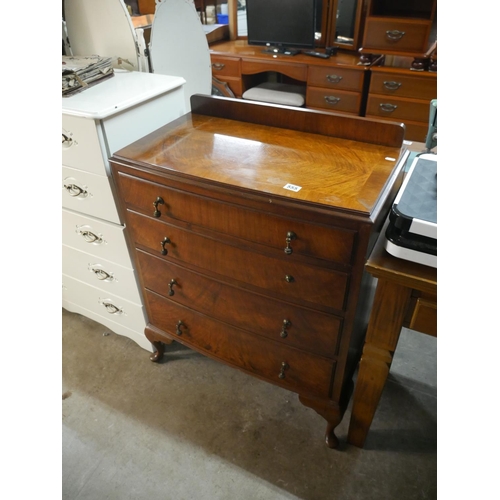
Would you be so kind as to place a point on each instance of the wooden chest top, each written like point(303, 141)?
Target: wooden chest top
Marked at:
point(330, 171)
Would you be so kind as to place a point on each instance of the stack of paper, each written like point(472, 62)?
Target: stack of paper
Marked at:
point(81, 72)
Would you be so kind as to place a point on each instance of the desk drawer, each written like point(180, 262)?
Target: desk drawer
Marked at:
point(94, 236)
point(88, 193)
point(396, 35)
point(403, 86)
point(283, 276)
point(335, 77)
point(315, 241)
point(279, 321)
point(81, 147)
point(397, 109)
point(338, 100)
point(225, 66)
point(303, 372)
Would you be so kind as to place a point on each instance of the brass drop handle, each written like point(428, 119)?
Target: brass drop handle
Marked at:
point(166, 241)
point(289, 278)
point(387, 107)
point(170, 286)
point(178, 326)
point(218, 66)
point(330, 99)
point(284, 366)
point(284, 333)
point(289, 237)
point(75, 190)
point(158, 201)
point(333, 78)
point(392, 85)
point(394, 35)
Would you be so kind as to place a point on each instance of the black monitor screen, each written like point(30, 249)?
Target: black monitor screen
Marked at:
point(289, 23)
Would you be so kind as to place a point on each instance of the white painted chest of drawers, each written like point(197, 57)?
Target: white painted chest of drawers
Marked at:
point(99, 280)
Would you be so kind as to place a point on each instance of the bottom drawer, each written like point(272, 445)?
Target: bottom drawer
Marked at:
point(104, 304)
point(288, 367)
point(333, 100)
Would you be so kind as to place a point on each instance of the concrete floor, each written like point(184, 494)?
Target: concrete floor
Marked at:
point(191, 428)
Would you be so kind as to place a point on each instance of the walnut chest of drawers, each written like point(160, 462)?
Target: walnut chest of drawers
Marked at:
point(250, 225)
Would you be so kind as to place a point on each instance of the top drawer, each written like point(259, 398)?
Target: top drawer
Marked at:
point(329, 243)
point(81, 147)
point(225, 66)
point(335, 78)
point(396, 35)
point(403, 86)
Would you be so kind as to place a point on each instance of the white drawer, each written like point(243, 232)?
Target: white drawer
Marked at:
point(97, 237)
point(88, 193)
point(104, 304)
point(81, 147)
point(100, 273)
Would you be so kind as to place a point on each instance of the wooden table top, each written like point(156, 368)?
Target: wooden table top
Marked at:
point(330, 171)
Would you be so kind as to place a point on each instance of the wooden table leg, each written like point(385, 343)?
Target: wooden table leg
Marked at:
point(386, 320)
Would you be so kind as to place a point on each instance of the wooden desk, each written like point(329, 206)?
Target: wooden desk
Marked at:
point(334, 84)
point(406, 295)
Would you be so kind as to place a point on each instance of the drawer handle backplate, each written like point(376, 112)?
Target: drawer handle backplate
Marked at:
point(333, 78)
point(330, 99)
point(394, 35)
point(218, 66)
point(392, 85)
point(387, 107)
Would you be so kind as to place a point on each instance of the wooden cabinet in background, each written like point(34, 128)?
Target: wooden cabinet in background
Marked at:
point(250, 225)
point(401, 94)
point(398, 26)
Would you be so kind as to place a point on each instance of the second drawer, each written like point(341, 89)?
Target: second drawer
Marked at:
point(333, 100)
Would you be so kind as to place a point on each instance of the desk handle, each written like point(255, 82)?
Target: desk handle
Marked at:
point(330, 99)
point(165, 241)
point(284, 333)
point(284, 366)
point(178, 326)
point(392, 85)
point(387, 107)
point(158, 201)
point(289, 237)
point(218, 66)
point(333, 78)
point(170, 287)
point(394, 35)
